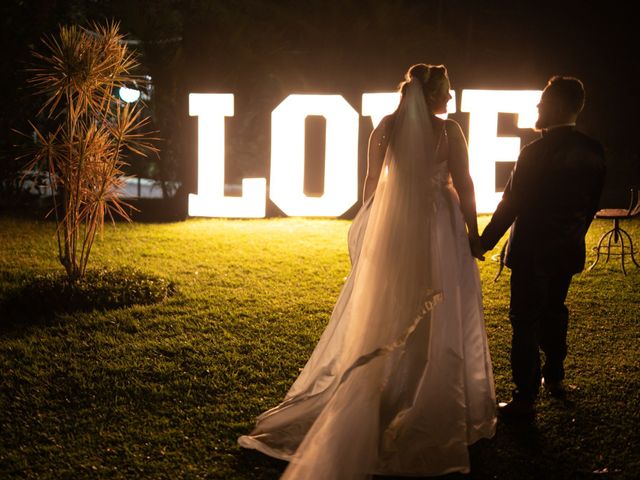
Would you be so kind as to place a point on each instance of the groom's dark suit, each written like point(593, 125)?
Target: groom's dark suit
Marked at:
point(549, 203)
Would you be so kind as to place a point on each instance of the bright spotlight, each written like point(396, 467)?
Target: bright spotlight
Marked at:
point(129, 95)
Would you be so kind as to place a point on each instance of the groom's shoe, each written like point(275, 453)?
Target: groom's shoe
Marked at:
point(555, 389)
point(517, 410)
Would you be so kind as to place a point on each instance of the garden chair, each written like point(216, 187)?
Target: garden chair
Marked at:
point(617, 234)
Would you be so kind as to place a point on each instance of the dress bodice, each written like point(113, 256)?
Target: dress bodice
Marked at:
point(441, 177)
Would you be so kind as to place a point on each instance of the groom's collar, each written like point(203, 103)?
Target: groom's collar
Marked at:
point(559, 127)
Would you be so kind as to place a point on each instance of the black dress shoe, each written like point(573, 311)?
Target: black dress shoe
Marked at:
point(555, 389)
point(517, 410)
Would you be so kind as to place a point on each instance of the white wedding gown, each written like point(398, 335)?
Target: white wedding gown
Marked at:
point(400, 382)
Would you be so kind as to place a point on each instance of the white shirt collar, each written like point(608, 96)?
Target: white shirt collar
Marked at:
point(559, 125)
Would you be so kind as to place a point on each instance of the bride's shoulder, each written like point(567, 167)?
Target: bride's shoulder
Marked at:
point(380, 134)
point(387, 122)
point(451, 125)
point(383, 129)
point(453, 129)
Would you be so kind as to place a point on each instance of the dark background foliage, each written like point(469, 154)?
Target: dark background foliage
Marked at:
point(263, 50)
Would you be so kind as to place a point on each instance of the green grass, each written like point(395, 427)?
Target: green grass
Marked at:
point(163, 391)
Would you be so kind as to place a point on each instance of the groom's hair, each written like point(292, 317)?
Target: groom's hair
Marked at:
point(569, 91)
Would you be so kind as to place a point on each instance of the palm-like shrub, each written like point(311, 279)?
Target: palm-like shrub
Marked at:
point(84, 153)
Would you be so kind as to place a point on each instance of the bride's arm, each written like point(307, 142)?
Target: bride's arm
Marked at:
point(459, 167)
point(378, 142)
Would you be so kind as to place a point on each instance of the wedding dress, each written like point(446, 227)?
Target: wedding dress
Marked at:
point(400, 382)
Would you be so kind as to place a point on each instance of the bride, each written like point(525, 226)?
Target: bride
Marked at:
point(400, 382)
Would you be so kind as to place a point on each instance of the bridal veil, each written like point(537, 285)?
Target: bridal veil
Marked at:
point(400, 381)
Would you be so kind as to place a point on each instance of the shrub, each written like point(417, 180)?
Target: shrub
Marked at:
point(43, 296)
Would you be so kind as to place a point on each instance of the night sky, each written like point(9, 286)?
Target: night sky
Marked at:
point(264, 50)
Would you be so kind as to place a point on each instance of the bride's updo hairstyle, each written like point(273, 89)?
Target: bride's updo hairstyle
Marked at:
point(430, 76)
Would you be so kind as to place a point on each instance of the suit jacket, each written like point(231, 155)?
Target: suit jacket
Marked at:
point(549, 202)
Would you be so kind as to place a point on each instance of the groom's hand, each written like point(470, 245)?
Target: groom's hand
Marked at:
point(477, 249)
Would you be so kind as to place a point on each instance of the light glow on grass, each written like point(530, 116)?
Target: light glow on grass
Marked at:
point(253, 299)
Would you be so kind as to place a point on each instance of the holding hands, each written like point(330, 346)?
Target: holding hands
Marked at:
point(477, 249)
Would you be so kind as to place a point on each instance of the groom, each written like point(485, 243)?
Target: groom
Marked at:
point(549, 203)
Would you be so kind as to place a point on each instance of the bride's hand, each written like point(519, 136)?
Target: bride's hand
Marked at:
point(477, 250)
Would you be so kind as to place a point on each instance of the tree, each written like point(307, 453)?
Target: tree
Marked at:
point(92, 131)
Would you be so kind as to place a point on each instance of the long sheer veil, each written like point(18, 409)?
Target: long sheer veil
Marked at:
point(342, 407)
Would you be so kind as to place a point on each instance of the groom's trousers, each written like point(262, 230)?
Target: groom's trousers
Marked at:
point(539, 320)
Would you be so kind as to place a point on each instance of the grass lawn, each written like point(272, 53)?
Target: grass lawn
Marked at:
point(163, 391)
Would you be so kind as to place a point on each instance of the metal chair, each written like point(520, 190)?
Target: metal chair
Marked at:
point(617, 233)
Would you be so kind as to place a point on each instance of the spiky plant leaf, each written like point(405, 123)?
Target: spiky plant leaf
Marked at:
point(80, 70)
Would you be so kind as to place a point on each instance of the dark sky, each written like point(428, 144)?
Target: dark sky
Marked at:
point(263, 50)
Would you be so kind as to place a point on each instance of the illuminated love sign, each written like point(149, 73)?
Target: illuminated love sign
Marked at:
point(286, 184)
point(485, 147)
point(211, 200)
